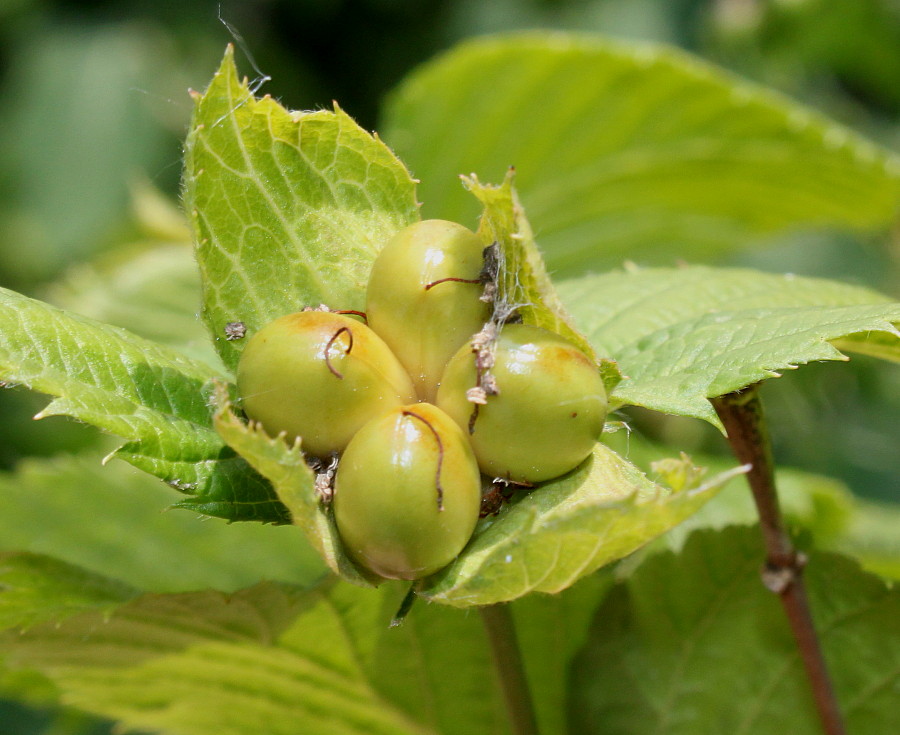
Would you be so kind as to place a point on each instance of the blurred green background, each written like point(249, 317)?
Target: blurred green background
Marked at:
point(95, 107)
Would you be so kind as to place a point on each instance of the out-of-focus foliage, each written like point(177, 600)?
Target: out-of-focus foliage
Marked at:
point(666, 641)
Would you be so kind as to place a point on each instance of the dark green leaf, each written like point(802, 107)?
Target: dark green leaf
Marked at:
point(693, 643)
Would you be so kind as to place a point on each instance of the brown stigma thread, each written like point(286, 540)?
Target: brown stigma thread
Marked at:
point(437, 438)
point(431, 285)
point(361, 314)
point(328, 349)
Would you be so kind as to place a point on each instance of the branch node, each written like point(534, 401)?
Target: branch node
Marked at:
point(778, 578)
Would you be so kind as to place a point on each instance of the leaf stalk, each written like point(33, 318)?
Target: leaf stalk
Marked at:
point(742, 415)
point(501, 633)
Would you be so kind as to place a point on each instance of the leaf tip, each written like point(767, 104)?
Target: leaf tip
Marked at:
point(228, 68)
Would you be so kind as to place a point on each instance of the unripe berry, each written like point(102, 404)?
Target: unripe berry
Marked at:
point(424, 297)
point(407, 493)
point(547, 415)
point(319, 376)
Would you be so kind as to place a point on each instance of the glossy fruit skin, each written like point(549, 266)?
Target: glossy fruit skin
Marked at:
point(548, 414)
point(385, 495)
point(285, 382)
point(425, 327)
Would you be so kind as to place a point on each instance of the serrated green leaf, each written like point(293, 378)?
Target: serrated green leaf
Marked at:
point(110, 519)
point(222, 484)
point(684, 335)
point(564, 530)
point(286, 468)
point(693, 643)
point(627, 149)
point(97, 369)
point(103, 375)
point(147, 393)
point(288, 209)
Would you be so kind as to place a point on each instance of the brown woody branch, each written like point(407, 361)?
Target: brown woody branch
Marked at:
point(742, 415)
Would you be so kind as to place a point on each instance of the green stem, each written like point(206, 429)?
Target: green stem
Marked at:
point(501, 633)
point(742, 415)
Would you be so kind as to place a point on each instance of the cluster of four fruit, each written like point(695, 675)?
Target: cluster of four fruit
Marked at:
point(394, 399)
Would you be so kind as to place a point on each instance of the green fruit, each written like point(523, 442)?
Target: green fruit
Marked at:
point(407, 493)
point(319, 376)
point(547, 415)
point(424, 297)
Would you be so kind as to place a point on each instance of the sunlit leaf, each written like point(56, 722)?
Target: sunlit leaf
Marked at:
point(288, 209)
point(683, 335)
point(631, 150)
point(149, 394)
point(151, 289)
point(564, 530)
